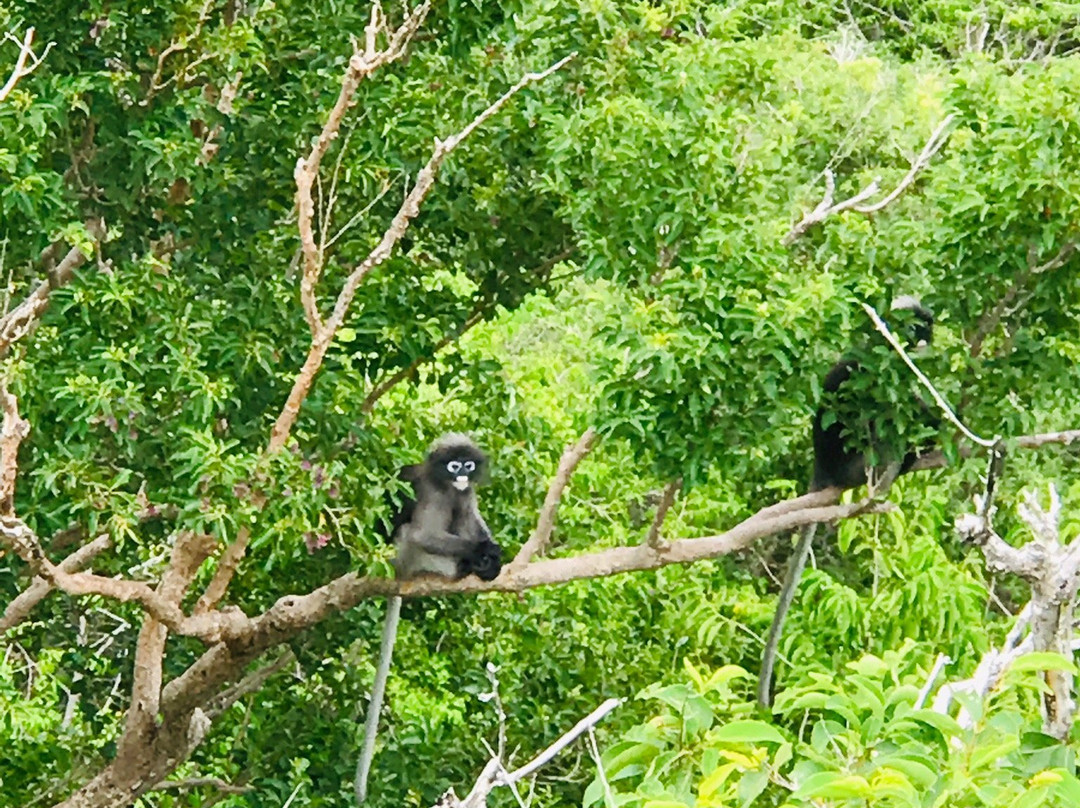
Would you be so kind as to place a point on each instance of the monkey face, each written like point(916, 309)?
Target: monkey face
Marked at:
point(457, 466)
point(912, 321)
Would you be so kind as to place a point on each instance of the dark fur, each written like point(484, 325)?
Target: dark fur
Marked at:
point(439, 523)
point(836, 464)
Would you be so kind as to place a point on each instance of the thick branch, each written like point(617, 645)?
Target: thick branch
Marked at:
point(19, 609)
point(540, 537)
point(409, 209)
point(16, 535)
point(362, 64)
point(189, 551)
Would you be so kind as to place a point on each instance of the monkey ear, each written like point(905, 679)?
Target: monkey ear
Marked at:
point(410, 473)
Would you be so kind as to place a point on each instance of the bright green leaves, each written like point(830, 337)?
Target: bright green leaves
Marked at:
point(862, 740)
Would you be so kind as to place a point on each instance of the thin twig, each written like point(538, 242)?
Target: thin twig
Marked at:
point(938, 398)
point(567, 738)
point(666, 501)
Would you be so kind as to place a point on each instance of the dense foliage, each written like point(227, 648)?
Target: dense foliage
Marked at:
point(608, 251)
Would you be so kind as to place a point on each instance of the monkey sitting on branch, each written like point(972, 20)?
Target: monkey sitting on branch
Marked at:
point(437, 531)
point(841, 461)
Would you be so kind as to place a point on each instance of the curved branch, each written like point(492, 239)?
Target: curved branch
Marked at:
point(540, 537)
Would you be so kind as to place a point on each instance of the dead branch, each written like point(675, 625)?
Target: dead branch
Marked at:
point(22, 68)
point(362, 64)
point(827, 207)
point(409, 209)
point(667, 499)
point(20, 321)
point(1053, 570)
point(495, 774)
point(946, 410)
point(19, 609)
point(571, 457)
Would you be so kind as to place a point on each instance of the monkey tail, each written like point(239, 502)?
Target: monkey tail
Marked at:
point(787, 595)
point(378, 689)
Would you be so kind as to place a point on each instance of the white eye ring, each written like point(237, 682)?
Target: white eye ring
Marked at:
point(454, 466)
point(470, 466)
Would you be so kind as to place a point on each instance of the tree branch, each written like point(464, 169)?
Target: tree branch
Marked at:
point(538, 541)
point(495, 774)
point(667, 499)
point(409, 209)
point(827, 207)
point(991, 319)
point(19, 609)
point(18, 322)
point(201, 782)
point(400, 375)
point(223, 575)
point(362, 64)
point(21, 68)
point(12, 432)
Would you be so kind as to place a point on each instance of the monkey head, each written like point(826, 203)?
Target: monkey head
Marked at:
point(455, 461)
point(912, 321)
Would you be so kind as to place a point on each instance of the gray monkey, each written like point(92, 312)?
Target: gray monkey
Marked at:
point(436, 531)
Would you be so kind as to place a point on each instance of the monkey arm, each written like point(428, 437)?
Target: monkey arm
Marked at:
point(445, 543)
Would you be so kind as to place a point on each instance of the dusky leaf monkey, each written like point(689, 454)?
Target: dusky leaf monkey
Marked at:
point(436, 531)
point(840, 463)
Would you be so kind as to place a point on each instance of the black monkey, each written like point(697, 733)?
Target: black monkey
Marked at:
point(837, 464)
point(438, 531)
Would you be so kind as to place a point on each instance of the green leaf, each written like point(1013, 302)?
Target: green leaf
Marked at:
point(746, 732)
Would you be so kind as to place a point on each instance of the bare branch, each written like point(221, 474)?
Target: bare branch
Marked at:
point(21, 68)
point(589, 721)
point(362, 64)
point(1053, 570)
point(929, 385)
point(667, 499)
point(19, 609)
point(933, 145)
point(409, 209)
point(827, 207)
point(494, 775)
point(545, 524)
